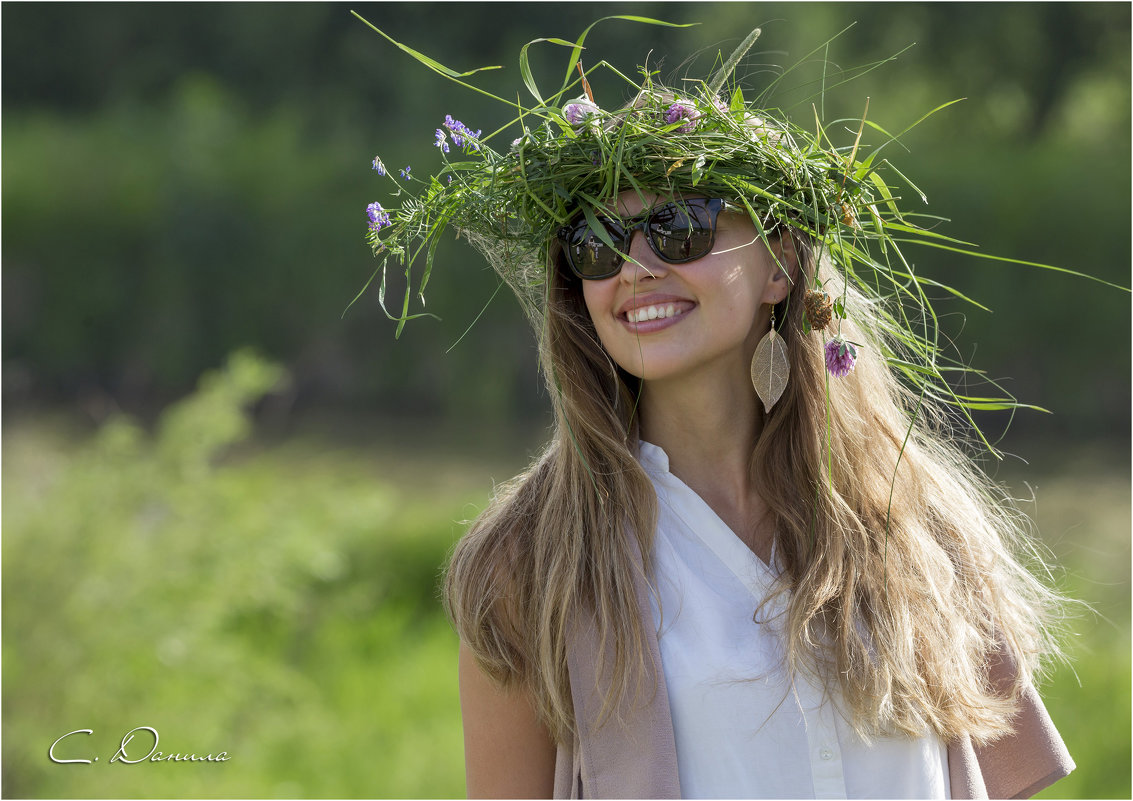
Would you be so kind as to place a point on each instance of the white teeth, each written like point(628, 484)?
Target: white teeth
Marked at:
point(651, 313)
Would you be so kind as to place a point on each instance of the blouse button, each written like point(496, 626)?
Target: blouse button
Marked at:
point(826, 754)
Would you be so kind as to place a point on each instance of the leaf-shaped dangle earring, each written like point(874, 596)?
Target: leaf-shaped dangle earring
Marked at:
point(770, 367)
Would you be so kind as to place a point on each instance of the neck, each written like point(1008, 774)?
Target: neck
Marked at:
point(708, 429)
point(707, 426)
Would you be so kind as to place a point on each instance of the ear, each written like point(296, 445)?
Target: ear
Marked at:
point(785, 260)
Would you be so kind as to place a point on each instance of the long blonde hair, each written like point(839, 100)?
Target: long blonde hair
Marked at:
point(905, 567)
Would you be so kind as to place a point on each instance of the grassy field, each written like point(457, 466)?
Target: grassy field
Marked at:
point(276, 600)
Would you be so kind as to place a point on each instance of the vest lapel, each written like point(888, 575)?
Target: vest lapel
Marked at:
point(633, 754)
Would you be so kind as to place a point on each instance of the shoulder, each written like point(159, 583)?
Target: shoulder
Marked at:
point(508, 752)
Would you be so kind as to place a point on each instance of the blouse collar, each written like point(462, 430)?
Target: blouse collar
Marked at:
point(652, 458)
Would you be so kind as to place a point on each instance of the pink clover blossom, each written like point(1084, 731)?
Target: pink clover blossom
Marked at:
point(577, 111)
point(840, 357)
point(683, 110)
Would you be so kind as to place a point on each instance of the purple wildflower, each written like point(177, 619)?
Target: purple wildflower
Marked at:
point(379, 217)
point(577, 111)
point(683, 110)
point(840, 357)
point(441, 142)
point(377, 165)
point(405, 172)
point(461, 132)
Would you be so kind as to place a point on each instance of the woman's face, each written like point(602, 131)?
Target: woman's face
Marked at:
point(711, 312)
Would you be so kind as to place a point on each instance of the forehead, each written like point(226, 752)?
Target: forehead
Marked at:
point(630, 203)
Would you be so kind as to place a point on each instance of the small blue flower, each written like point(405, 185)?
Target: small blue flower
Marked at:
point(457, 129)
point(379, 217)
point(405, 172)
point(461, 133)
point(377, 165)
point(441, 142)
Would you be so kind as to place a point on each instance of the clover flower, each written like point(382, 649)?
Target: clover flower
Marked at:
point(379, 217)
point(461, 133)
point(577, 111)
point(683, 110)
point(840, 357)
point(441, 142)
point(377, 165)
point(405, 171)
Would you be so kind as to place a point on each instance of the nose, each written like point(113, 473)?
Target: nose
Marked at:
point(642, 262)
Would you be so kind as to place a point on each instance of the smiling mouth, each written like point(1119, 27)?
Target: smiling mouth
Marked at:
point(658, 312)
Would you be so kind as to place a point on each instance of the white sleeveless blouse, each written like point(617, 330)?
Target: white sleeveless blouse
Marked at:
point(743, 728)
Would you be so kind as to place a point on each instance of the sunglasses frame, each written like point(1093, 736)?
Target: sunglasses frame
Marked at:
point(640, 222)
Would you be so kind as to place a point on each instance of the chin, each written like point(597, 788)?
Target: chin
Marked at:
point(656, 369)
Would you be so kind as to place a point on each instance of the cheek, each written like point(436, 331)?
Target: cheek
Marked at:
point(731, 286)
point(598, 297)
point(738, 285)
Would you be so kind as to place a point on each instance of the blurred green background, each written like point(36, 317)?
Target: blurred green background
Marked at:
point(241, 551)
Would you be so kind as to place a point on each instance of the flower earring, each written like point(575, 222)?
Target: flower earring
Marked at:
point(770, 367)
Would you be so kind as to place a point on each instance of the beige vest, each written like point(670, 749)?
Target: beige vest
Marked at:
point(634, 754)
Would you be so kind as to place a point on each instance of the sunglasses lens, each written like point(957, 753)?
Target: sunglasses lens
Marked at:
point(678, 232)
point(682, 231)
point(589, 256)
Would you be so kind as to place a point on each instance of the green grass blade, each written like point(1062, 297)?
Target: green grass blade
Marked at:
point(578, 46)
point(525, 65)
point(435, 65)
point(1009, 260)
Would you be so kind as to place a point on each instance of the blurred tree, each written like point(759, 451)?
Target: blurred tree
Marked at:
point(182, 179)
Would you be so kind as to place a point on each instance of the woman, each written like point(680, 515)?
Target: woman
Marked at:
point(750, 563)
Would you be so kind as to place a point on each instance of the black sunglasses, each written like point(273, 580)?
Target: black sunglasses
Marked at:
point(677, 231)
